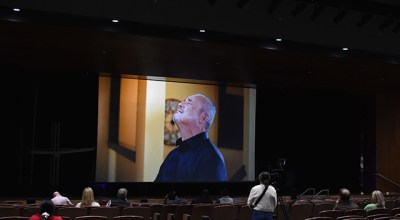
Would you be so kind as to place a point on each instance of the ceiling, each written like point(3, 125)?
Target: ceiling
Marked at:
point(162, 38)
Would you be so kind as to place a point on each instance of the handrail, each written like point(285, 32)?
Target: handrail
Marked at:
point(387, 179)
point(321, 191)
point(309, 189)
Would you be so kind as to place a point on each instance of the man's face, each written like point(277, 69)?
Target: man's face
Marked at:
point(189, 111)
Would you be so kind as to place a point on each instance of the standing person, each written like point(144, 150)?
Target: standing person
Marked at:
point(377, 201)
point(121, 200)
point(196, 158)
point(87, 199)
point(58, 199)
point(266, 196)
point(343, 202)
point(47, 210)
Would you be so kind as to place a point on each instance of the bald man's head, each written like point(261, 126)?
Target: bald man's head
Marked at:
point(344, 194)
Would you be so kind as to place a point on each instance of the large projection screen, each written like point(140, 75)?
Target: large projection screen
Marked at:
point(133, 133)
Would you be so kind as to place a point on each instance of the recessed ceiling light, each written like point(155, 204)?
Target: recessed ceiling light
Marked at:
point(345, 48)
point(115, 21)
point(202, 30)
point(16, 9)
point(278, 39)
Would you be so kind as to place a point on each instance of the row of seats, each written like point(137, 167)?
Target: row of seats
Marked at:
point(154, 212)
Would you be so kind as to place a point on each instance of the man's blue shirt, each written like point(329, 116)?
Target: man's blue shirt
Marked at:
point(194, 160)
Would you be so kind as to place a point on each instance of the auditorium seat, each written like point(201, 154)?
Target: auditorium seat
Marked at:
point(10, 211)
point(165, 209)
point(318, 207)
point(143, 211)
point(110, 212)
point(319, 218)
point(378, 211)
point(30, 210)
point(14, 218)
point(301, 210)
point(180, 210)
point(244, 212)
point(198, 211)
point(357, 212)
point(331, 213)
point(128, 217)
point(91, 217)
point(71, 212)
point(374, 216)
point(222, 212)
point(395, 211)
point(347, 217)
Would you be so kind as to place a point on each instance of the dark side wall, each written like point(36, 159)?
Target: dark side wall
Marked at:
point(317, 132)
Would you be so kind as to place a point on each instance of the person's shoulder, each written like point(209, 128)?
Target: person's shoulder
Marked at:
point(35, 217)
point(55, 217)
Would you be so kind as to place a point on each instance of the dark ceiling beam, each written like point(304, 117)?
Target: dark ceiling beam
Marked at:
point(373, 7)
point(319, 7)
point(273, 5)
point(364, 19)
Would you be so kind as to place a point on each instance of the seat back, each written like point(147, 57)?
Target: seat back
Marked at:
point(91, 217)
point(357, 212)
point(378, 211)
point(71, 212)
point(198, 211)
point(10, 211)
point(330, 213)
point(224, 212)
point(143, 211)
point(395, 211)
point(244, 212)
point(301, 211)
point(180, 210)
point(375, 216)
point(319, 218)
point(110, 212)
point(165, 209)
point(14, 218)
point(128, 217)
point(318, 207)
point(30, 210)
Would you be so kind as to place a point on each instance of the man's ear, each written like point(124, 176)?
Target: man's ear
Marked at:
point(203, 118)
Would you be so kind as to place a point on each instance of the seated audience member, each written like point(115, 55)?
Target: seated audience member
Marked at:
point(377, 201)
point(172, 198)
point(343, 202)
point(121, 200)
point(87, 199)
point(225, 198)
point(58, 199)
point(47, 210)
point(203, 198)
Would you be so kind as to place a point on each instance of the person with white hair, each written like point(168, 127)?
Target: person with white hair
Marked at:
point(58, 199)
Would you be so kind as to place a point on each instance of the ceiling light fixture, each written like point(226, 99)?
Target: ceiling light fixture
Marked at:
point(16, 9)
